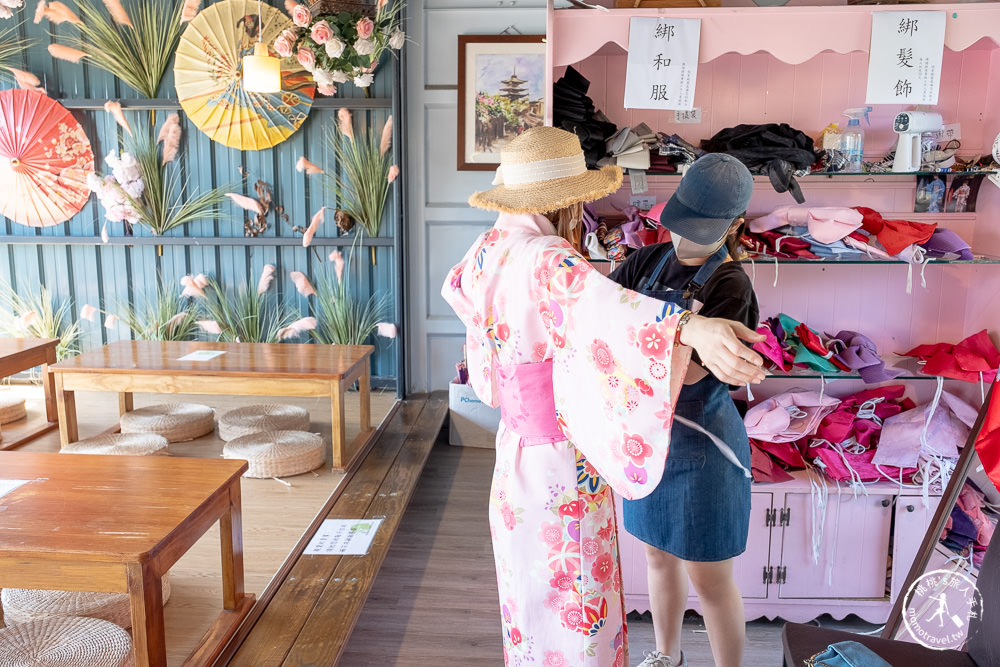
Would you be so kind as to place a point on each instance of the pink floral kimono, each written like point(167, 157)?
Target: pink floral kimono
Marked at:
point(586, 375)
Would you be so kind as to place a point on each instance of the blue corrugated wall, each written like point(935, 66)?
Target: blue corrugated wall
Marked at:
point(73, 263)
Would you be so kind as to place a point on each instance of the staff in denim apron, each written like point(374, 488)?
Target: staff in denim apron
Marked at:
point(696, 521)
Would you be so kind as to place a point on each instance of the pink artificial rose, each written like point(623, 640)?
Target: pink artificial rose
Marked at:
point(365, 28)
point(283, 46)
point(327, 89)
point(301, 16)
point(306, 57)
point(321, 32)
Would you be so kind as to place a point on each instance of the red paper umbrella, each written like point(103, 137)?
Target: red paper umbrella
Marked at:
point(44, 160)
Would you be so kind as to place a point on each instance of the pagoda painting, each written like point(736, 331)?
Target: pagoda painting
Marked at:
point(509, 98)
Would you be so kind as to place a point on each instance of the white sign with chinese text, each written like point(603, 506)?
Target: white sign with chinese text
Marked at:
point(343, 537)
point(904, 64)
point(662, 63)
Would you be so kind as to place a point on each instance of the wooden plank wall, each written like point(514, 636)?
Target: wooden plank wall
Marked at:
point(73, 263)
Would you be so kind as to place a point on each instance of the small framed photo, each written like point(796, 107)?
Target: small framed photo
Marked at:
point(929, 197)
point(501, 93)
point(962, 193)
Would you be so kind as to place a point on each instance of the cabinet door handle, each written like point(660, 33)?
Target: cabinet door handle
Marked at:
point(886, 502)
point(782, 574)
point(764, 578)
point(786, 516)
point(910, 508)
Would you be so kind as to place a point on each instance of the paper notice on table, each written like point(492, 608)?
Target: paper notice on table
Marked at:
point(8, 485)
point(344, 537)
point(904, 63)
point(662, 63)
point(202, 355)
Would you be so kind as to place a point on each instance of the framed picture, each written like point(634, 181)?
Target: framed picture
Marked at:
point(501, 93)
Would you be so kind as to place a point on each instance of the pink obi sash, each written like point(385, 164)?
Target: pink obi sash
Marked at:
point(527, 405)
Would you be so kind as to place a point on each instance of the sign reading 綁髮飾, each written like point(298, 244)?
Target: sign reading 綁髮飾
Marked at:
point(904, 64)
point(662, 63)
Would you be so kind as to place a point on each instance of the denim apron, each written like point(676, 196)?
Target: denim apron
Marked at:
point(700, 511)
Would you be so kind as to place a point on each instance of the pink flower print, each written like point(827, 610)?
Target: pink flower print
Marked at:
point(551, 533)
point(605, 533)
point(321, 32)
point(551, 313)
point(554, 600)
point(544, 273)
point(602, 356)
point(559, 342)
point(619, 657)
point(644, 388)
point(636, 474)
point(301, 16)
point(658, 370)
point(572, 509)
point(603, 568)
point(503, 331)
point(507, 512)
point(562, 580)
point(365, 28)
point(614, 381)
point(666, 414)
point(590, 547)
point(573, 529)
point(571, 616)
point(653, 342)
point(555, 659)
point(637, 449)
point(515, 636)
point(594, 617)
point(505, 614)
point(538, 351)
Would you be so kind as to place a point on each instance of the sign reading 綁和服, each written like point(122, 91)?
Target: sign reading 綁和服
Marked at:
point(662, 63)
point(904, 64)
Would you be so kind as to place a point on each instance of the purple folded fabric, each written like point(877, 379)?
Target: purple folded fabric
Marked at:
point(590, 221)
point(859, 353)
point(946, 243)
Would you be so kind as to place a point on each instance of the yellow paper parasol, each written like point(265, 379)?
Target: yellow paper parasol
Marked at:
point(44, 160)
point(208, 73)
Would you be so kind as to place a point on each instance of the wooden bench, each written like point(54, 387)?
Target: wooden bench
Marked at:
point(306, 614)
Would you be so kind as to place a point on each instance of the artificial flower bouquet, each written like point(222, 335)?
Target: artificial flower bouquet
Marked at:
point(340, 46)
point(121, 190)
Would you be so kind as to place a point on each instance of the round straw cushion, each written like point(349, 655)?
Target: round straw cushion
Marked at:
point(65, 641)
point(277, 453)
point(11, 407)
point(127, 444)
point(24, 605)
point(258, 418)
point(177, 422)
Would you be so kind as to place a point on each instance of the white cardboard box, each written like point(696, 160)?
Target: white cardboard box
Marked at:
point(471, 423)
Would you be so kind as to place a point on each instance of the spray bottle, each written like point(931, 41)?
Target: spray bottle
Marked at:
point(852, 139)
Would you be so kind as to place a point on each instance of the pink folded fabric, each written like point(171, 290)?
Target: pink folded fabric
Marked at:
point(826, 223)
point(788, 416)
point(901, 442)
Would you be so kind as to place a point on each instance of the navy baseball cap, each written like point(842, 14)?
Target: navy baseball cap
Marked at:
point(714, 190)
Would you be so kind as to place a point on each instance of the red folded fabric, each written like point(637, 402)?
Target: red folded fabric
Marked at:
point(963, 361)
point(895, 235)
point(988, 440)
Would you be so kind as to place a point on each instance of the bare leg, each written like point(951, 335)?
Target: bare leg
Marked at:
point(668, 591)
point(722, 607)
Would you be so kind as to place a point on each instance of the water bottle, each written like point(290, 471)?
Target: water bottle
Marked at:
point(852, 141)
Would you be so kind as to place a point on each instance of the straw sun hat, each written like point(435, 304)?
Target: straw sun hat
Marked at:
point(544, 170)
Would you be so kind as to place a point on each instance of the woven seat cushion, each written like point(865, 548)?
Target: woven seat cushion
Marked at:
point(65, 641)
point(128, 444)
point(258, 418)
point(177, 422)
point(11, 407)
point(277, 453)
point(23, 605)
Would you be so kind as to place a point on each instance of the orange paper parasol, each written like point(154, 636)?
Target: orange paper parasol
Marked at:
point(208, 74)
point(44, 160)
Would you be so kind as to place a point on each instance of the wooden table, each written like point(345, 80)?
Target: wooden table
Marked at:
point(246, 369)
point(21, 354)
point(117, 524)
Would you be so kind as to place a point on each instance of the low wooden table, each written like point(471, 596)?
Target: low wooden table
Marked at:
point(246, 369)
point(21, 354)
point(117, 524)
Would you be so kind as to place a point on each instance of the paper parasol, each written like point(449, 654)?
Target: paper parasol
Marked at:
point(44, 160)
point(208, 73)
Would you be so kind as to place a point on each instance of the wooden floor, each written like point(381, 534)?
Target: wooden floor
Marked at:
point(434, 603)
point(274, 515)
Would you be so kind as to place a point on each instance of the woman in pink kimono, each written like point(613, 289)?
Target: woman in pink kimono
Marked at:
point(586, 374)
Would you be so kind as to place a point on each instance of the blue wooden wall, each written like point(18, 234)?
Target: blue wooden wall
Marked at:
point(73, 263)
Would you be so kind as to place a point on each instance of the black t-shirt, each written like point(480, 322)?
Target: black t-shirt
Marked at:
point(728, 293)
